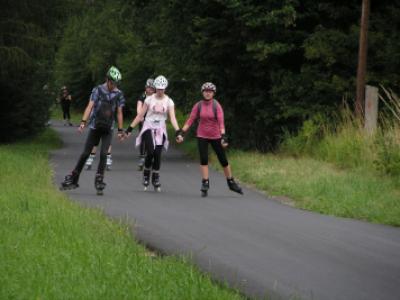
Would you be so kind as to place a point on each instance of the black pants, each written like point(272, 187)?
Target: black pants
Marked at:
point(153, 155)
point(93, 139)
point(65, 108)
point(216, 145)
point(142, 150)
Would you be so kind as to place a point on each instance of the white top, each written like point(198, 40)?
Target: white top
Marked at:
point(157, 109)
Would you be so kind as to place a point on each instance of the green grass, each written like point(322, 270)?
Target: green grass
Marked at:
point(51, 248)
point(316, 185)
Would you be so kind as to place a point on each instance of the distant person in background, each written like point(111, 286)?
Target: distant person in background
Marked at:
point(65, 100)
point(149, 90)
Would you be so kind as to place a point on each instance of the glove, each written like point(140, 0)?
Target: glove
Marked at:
point(179, 132)
point(224, 138)
point(128, 130)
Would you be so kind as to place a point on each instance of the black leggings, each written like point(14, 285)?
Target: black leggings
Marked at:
point(93, 139)
point(216, 145)
point(65, 108)
point(153, 155)
point(142, 150)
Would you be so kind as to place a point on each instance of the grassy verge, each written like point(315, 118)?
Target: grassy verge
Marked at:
point(317, 185)
point(51, 248)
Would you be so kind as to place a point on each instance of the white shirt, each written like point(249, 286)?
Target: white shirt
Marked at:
point(157, 109)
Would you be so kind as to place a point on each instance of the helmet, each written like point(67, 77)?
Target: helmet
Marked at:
point(209, 86)
point(160, 83)
point(150, 83)
point(114, 74)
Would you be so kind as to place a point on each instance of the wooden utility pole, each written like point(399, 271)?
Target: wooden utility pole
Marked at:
point(362, 58)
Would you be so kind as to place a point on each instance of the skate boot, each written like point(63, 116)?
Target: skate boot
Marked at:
point(99, 184)
point(109, 162)
point(146, 178)
point(141, 162)
point(89, 161)
point(70, 182)
point(155, 181)
point(205, 185)
point(233, 186)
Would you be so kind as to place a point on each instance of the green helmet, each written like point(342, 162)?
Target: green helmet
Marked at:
point(114, 74)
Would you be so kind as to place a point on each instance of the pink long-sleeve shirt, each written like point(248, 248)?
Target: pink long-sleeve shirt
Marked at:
point(209, 127)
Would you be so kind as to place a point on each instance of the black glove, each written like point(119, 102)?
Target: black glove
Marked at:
point(224, 138)
point(129, 130)
point(179, 132)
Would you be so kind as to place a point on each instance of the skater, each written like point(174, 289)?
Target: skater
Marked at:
point(65, 100)
point(157, 108)
point(105, 102)
point(211, 130)
point(92, 156)
point(149, 90)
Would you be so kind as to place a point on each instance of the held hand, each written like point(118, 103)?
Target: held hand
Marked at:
point(179, 139)
point(128, 132)
point(81, 127)
point(121, 135)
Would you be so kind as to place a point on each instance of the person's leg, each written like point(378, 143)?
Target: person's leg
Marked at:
point(92, 139)
point(202, 145)
point(109, 156)
point(64, 112)
point(220, 152)
point(147, 138)
point(155, 179)
point(67, 113)
point(106, 137)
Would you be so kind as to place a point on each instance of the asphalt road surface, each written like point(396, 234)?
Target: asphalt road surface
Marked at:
point(262, 247)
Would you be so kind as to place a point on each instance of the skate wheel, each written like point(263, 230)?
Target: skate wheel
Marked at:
point(157, 189)
point(88, 167)
point(99, 193)
point(204, 194)
point(145, 188)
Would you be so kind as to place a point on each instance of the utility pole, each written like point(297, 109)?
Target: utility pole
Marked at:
point(362, 58)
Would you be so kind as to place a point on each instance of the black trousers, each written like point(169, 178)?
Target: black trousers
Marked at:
point(142, 150)
point(202, 145)
point(93, 139)
point(65, 108)
point(153, 154)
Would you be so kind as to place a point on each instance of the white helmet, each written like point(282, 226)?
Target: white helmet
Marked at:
point(150, 83)
point(160, 83)
point(209, 86)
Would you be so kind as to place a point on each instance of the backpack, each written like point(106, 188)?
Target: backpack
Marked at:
point(214, 109)
point(105, 114)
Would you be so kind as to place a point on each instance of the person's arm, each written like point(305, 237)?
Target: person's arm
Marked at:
point(139, 107)
point(221, 123)
point(86, 114)
point(220, 118)
point(120, 120)
point(191, 119)
point(172, 117)
point(137, 119)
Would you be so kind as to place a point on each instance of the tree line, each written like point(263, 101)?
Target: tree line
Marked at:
point(275, 63)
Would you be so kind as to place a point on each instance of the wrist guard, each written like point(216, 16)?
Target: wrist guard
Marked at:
point(129, 130)
point(224, 138)
point(179, 132)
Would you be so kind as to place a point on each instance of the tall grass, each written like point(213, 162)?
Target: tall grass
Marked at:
point(345, 143)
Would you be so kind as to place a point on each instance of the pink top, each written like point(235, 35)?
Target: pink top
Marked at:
point(209, 127)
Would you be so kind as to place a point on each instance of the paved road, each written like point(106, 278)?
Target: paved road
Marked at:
point(256, 244)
